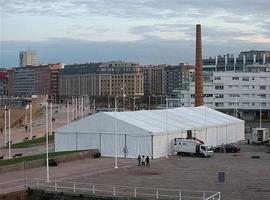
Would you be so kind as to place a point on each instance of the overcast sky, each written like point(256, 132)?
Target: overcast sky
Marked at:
point(144, 31)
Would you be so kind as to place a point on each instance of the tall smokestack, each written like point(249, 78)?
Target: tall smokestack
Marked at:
point(198, 68)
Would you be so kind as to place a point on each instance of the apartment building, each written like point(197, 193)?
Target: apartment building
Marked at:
point(28, 58)
point(242, 94)
point(3, 82)
point(114, 78)
point(33, 80)
point(164, 79)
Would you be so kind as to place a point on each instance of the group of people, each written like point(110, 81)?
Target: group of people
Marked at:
point(143, 160)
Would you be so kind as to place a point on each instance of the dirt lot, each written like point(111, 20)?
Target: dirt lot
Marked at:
point(246, 178)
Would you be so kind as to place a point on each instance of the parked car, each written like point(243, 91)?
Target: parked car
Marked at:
point(52, 163)
point(229, 148)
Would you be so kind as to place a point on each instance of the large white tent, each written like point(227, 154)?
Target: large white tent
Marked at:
point(148, 132)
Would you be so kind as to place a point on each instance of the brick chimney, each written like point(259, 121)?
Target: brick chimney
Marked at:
point(198, 68)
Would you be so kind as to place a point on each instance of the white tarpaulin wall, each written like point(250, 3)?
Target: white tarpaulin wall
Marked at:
point(146, 132)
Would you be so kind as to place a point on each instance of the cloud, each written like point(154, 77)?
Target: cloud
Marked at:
point(148, 31)
point(145, 51)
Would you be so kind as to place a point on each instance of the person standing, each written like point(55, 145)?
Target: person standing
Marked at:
point(147, 161)
point(143, 160)
point(139, 160)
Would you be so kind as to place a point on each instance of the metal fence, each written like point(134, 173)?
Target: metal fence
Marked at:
point(121, 191)
point(108, 190)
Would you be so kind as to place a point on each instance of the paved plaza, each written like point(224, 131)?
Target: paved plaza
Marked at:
point(245, 178)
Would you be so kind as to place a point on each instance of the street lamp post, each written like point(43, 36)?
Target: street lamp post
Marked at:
point(149, 102)
point(115, 133)
point(47, 145)
point(72, 106)
point(31, 121)
point(134, 103)
point(76, 105)
point(9, 135)
point(51, 105)
point(167, 137)
point(5, 128)
point(81, 107)
point(68, 112)
point(94, 102)
point(260, 112)
point(124, 101)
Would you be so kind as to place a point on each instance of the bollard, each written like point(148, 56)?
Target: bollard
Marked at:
point(135, 192)
point(114, 191)
point(180, 195)
point(156, 193)
point(203, 195)
point(221, 177)
point(38, 183)
point(55, 186)
point(94, 192)
point(74, 187)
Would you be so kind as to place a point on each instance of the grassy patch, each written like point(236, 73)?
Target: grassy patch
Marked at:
point(33, 142)
point(33, 157)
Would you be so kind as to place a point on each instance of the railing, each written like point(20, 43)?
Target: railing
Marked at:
point(122, 191)
point(11, 186)
point(110, 190)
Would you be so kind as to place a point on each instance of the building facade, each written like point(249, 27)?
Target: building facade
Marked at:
point(242, 94)
point(243, 62)
point(164, 79)
point(28, 58)
point(33, 80)
point(3, 82)
point(114, 78)
point(55, 68)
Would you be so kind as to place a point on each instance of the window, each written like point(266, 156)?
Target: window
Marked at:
point(219, 87)
point(245, 78)
point(263, 96)
point(217, 78)
point(262, 87)
point(233, 86)
point(263, 104)
point(235, 78)
point(219, 104)
point(219, 96)
point(234, 95)
point(246, 86)
point(207, 95)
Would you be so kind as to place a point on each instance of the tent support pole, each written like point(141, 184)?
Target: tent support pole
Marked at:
point(100, 142)
point(125, 145)
point(76, 141)
point(152, 146)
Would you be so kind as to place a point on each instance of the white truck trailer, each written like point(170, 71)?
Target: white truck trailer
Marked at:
point(192, 147)
point(260, 135)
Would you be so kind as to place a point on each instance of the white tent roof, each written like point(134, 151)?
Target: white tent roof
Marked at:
point(154, 121)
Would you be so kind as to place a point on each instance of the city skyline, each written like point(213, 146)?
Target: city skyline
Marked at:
point(145, 31)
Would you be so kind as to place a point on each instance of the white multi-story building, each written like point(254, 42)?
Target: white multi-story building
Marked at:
point(28, 58)
point(241, 94)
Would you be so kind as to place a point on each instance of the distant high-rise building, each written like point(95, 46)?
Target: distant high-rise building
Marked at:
point(28, 58)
